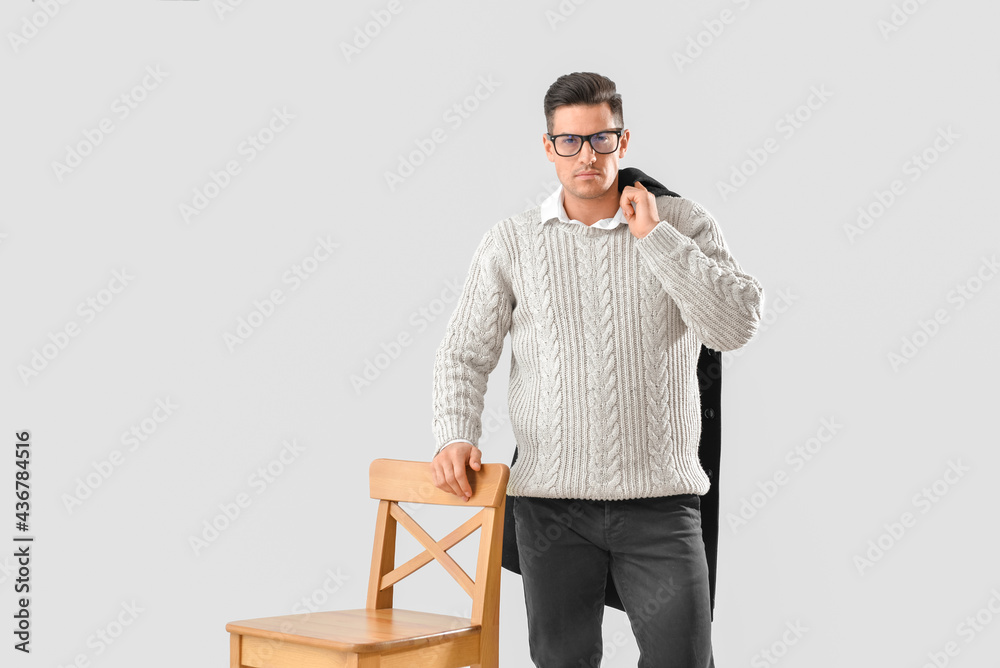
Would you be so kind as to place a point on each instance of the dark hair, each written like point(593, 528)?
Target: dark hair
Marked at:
point(582, 88)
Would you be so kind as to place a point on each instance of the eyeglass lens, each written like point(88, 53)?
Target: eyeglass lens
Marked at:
point(602, 142)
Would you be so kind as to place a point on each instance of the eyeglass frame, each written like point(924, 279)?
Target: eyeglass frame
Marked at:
point(586, 139)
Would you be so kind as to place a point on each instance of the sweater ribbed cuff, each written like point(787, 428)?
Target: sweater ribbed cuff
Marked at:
point(456, 428)
point(664, 238)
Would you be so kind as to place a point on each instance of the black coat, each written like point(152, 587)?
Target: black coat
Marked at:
point(709, 447)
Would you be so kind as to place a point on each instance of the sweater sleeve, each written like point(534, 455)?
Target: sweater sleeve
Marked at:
point(718, 300)
point(472, 344)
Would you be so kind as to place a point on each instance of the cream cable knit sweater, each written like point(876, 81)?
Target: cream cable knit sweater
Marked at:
point(605, 335)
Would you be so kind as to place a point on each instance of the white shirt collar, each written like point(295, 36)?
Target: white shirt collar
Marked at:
point(553, 209)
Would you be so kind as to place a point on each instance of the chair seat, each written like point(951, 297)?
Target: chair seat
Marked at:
point(359, 630)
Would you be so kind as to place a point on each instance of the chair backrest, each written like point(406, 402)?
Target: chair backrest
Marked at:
point(393, 481)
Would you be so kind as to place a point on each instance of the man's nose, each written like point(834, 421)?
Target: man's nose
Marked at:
point(587, 153)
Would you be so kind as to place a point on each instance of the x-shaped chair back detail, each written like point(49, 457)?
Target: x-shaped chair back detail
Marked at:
point(394, 481)
point(380, 636)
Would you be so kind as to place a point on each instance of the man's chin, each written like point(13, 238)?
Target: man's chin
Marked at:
point(588, 188)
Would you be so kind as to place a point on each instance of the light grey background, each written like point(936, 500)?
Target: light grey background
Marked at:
point(838, 304)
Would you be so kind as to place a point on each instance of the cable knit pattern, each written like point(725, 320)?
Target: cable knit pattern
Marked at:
point(547, 463)
point(602, 398)
point(605, 334)
point(655, 307)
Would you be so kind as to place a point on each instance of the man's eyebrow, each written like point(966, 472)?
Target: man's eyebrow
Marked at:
point(581, 134)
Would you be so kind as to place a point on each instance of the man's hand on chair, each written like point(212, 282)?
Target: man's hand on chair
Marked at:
point(448, 468)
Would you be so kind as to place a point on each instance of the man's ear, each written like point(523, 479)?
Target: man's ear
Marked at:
point(549, 152)
point(623, 145)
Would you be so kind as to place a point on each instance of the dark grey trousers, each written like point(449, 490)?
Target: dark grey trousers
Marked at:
point(655, 550)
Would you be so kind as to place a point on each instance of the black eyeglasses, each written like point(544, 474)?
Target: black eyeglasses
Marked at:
point(568, 145)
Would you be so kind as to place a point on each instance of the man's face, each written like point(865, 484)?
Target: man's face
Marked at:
point(586, 175)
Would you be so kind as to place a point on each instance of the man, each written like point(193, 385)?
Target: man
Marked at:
point(608, 298)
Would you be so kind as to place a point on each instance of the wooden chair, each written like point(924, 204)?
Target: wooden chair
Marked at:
point(382, 636)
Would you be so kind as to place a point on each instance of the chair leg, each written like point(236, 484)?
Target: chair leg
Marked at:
point(489, 648)
point(235, 656)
